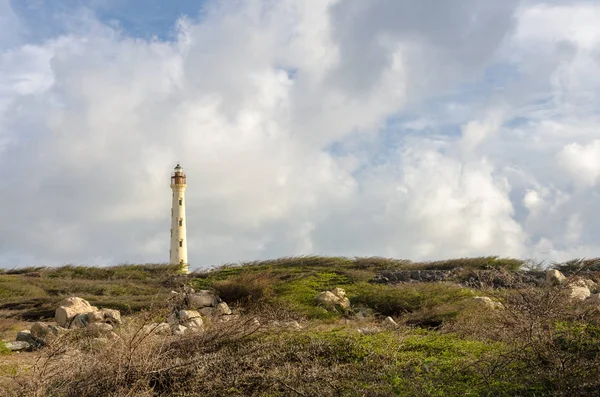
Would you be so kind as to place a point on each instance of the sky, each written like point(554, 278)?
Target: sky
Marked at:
point(411, 129)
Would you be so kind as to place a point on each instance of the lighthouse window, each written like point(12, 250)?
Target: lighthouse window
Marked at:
point(180, 222)
point(180, 201)
point(181, 243)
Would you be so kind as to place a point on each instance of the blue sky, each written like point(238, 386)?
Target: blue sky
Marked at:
point(143, 19)
point(420, 130)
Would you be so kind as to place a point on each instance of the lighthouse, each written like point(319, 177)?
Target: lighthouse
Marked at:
point(178, 251)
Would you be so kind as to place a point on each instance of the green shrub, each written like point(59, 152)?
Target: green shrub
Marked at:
point(479, 263)
point(3, 349)
point(577, 265)
point(299, 293)
point(405, 298)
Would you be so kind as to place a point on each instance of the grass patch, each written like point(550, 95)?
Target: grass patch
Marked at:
point(3, 349)
point(33, 293)
point(406, 298)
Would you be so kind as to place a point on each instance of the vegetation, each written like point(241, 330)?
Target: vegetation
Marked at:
point(540, 343)
point(3, 349)
point(33, 293)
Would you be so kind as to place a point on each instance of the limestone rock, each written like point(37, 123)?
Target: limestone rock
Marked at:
point(158, 329)
point(42, 330)
point(17, 346)
point(112, 316)
point(591, 284)
point(202, 298)
point(555, 277)
point(178, 329)
point(70, 308)
point(109, 316)
point(579, 293)
point(390, 322)
point(208, 311)
point(186, 318)
point(487, 302)
point(187, 315)
point(327, 298)
point(191, 319)
point(99, 329)
point(223, 309)
point(330, 300)
point(195, 323)
point(339, 292)
point(80, 320)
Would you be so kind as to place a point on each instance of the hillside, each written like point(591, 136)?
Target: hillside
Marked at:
point(464, 327)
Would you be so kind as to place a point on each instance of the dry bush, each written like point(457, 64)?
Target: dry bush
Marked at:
point(237, 358)
point(136, 363)
point(245, 287)
point(556, 337)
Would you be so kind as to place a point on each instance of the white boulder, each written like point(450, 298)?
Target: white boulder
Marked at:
point(329, 299)
point(390, 322)
point(70, 308)
point(577, 292)
point(487, 302)
point(191, 319)
point(554, 277)
point(223, 309)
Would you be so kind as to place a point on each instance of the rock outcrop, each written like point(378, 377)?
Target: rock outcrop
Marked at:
point(336, 298)
point(73, 313)
point(204, 303)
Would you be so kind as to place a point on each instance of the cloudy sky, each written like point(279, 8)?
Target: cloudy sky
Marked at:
point(398, 128)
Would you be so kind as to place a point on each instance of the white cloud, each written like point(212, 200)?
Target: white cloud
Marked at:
point(280, 113)
point(582, 162)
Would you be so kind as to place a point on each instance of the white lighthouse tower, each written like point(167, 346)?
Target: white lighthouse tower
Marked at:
point(178, 251)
